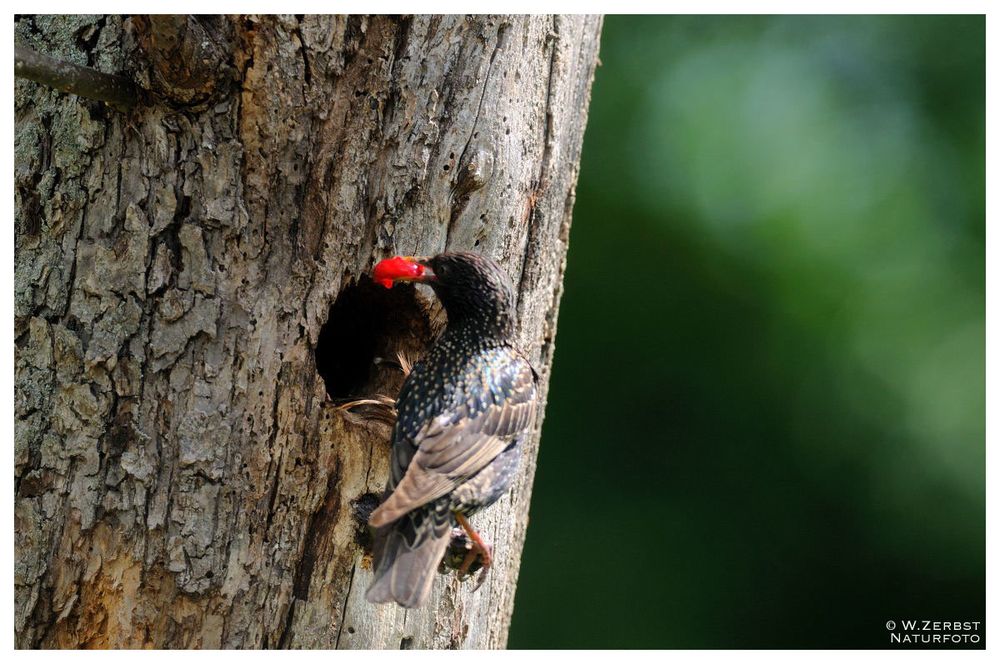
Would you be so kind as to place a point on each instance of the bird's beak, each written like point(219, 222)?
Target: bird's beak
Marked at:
point(425, 263)
point(403, 268)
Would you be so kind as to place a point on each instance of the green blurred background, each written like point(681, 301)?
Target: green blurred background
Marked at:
point(766, 421)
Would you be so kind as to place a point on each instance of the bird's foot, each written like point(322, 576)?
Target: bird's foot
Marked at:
point(485, 558)
point(478, 550)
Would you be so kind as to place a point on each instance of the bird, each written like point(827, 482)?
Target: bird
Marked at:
point(463, 413)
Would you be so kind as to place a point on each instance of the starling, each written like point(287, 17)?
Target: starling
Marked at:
point(463, 411)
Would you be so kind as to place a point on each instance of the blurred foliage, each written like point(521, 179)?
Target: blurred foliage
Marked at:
point(766, 423)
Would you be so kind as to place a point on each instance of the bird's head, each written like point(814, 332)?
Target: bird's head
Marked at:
point(473, 289)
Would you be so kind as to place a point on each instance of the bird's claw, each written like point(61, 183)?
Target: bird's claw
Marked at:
point(485, 558)
point(482, 577)
point(477, 548)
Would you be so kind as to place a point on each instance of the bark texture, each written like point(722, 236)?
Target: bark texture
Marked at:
point(183, 475)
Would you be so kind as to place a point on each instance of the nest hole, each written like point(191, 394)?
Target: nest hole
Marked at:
point(367, 326)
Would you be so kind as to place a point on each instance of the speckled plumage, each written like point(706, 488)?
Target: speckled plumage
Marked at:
point(462, 414)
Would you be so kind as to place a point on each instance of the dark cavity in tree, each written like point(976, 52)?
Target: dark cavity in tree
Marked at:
point(368, 324)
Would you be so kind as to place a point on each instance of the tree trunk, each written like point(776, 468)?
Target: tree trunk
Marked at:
point(184, 475)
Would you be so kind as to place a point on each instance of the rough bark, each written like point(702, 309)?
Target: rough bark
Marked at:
point(183, 477)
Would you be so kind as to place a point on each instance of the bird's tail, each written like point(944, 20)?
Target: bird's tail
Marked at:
point(407, 554)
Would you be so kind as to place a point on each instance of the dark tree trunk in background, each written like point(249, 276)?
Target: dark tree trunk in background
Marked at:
point(183, 475)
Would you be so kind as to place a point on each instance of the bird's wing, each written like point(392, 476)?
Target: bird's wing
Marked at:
point(457, 444)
